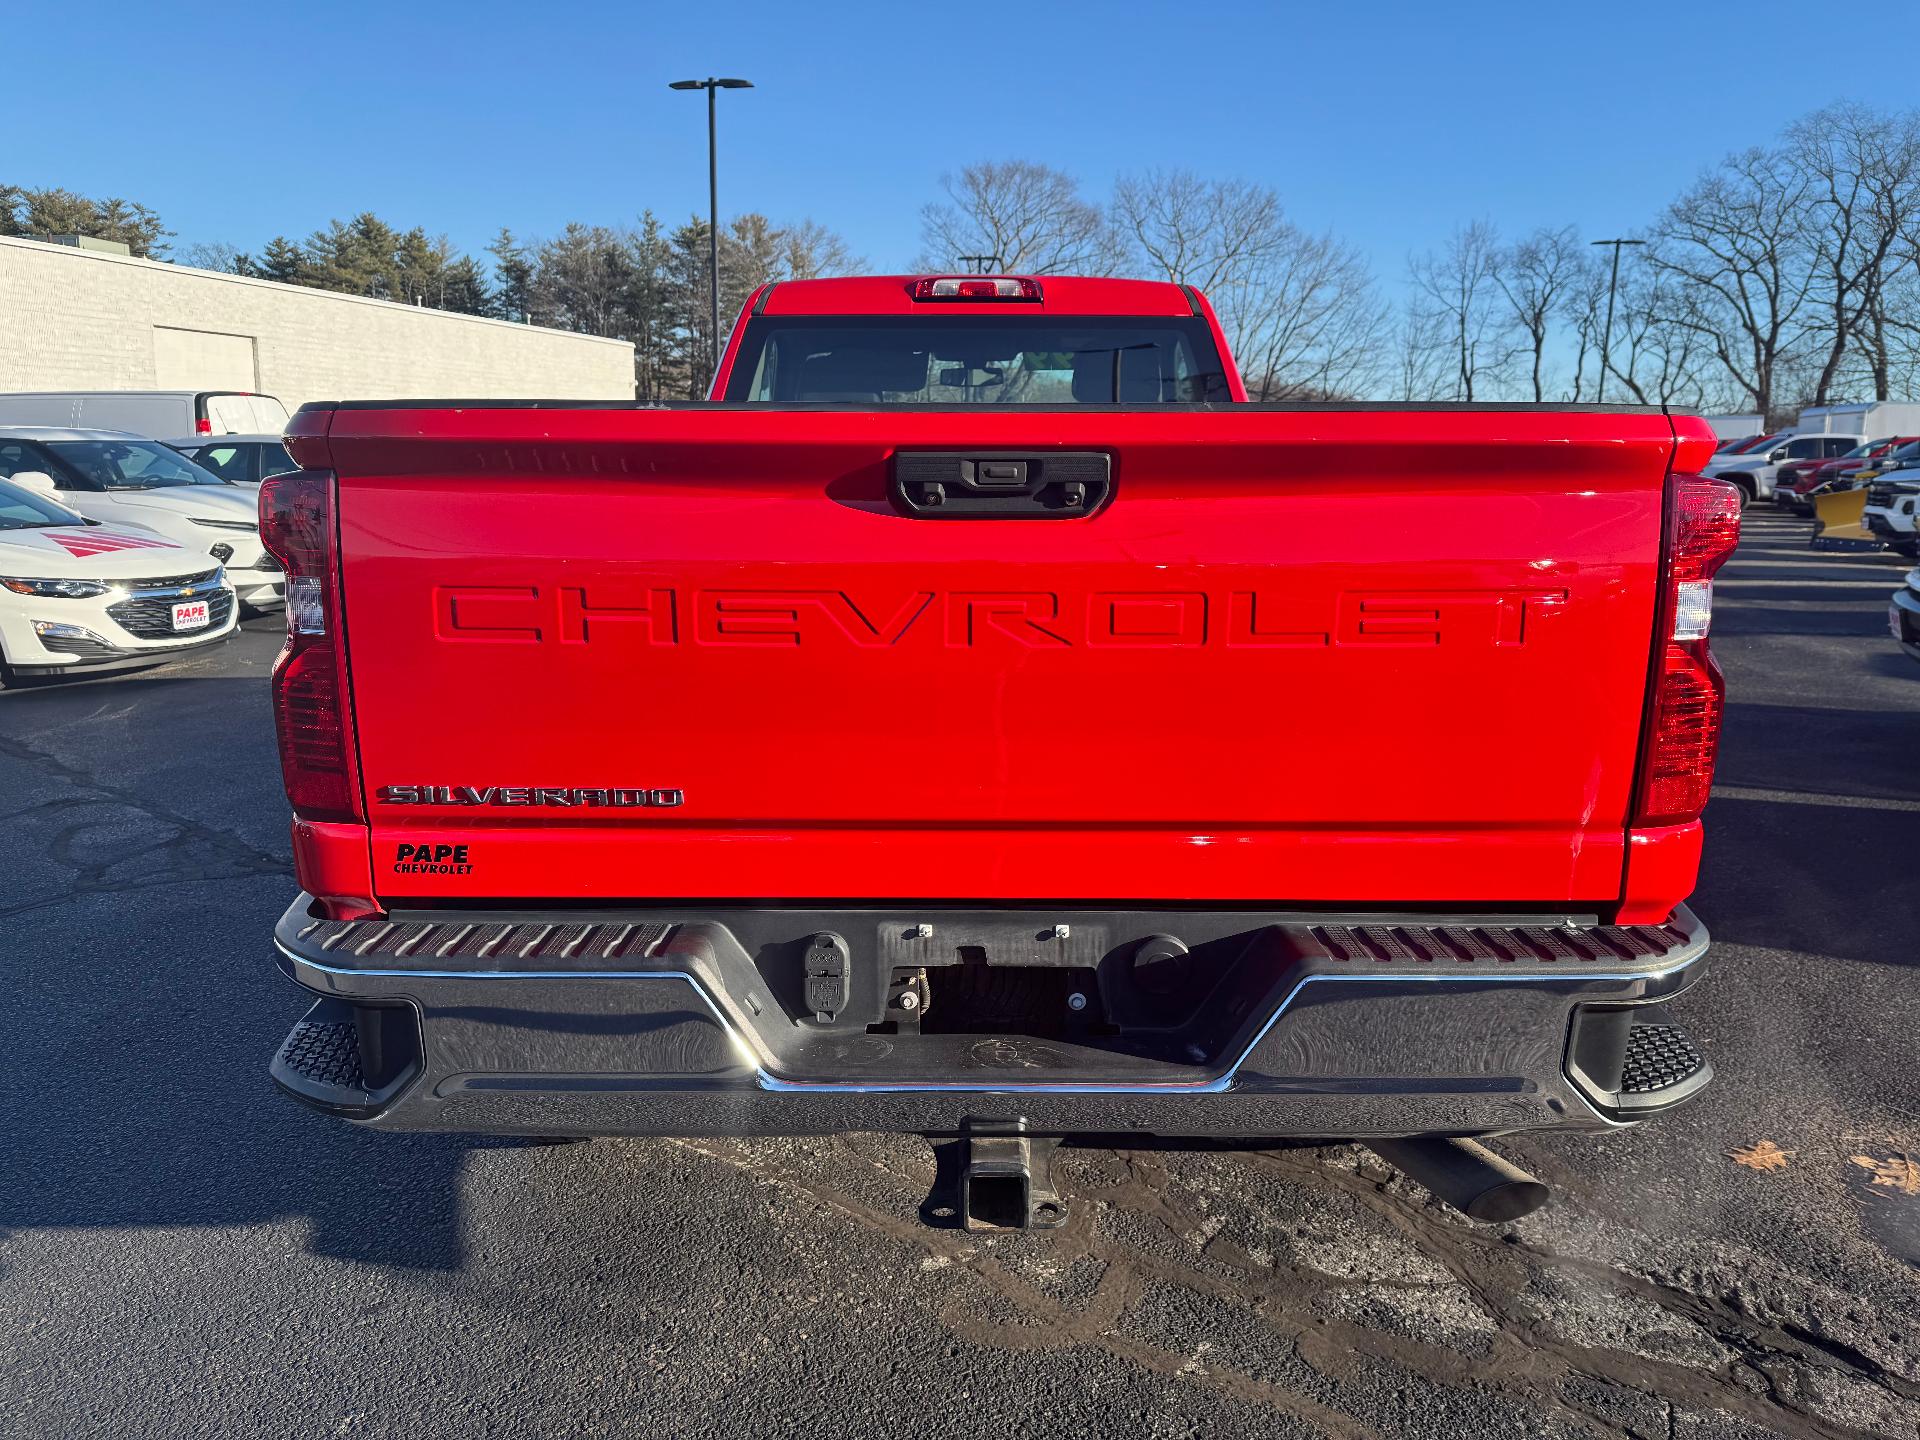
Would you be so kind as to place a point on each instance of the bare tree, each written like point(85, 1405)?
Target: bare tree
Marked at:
point(1894, 317)
point(1656, 354)
point(809, 251)
point(1583, 310)
point(581, 280)
point(1862, 170)
point(1461, 286)
point(1737, 245)
point(1299, 310)
point(1031, 217)
point(1309, 327)
point(216, 255)
point(1195, 231)
point(1895, 320)
point(1422, 354)
point(1536, 275)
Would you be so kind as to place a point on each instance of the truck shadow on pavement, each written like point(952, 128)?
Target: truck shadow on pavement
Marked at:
point(151, 1106)
point(138, 894)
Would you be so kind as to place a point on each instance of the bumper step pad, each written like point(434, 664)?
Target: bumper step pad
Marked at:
point(1634, 1062)
point(326, 1057)
point(323, 1053)
point(1659, 1057)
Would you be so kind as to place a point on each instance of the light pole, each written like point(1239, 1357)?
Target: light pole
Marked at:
point(712, 86)
point(1606, 333)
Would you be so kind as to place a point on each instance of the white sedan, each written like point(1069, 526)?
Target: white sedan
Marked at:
point(117, 479)
point(77, 595)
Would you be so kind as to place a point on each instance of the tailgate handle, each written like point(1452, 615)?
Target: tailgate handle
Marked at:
point(999, 485)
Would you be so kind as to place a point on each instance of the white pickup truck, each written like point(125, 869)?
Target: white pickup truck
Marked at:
point(1892, 501)
point(1755, 471)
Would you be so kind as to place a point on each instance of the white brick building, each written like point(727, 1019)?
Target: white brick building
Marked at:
point(75, 319)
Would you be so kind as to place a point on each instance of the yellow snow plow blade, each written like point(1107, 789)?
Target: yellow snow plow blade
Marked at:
point(1841, 515)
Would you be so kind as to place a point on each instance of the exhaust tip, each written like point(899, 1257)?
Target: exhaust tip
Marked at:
point(1469, 1177)
point(1509, 1200)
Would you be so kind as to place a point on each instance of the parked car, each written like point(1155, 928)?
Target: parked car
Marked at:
point(1728, 455)
point(1794, 485)
point(1754, 471)
point(238, 459)
point(1728, 448)
point(1890, 512)
point(154, 414)
point(1906, 457)
point(115, 478)
point(77, 595)
point(905, 656)
point(1903, 615)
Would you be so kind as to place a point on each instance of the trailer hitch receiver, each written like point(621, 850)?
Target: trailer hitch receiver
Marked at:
point(1006, 1180)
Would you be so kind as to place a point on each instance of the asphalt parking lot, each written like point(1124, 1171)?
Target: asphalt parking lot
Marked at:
point(183, 1251)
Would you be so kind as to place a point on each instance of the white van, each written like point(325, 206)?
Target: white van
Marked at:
point(1869, 419)
point(159, 414)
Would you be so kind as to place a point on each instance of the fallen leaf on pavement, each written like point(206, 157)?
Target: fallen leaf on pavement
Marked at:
point(1764, 1155)
point(1901, 1173)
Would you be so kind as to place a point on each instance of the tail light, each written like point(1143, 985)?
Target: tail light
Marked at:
point(310, 699)
point(203, 426)
point(1688, 694)
point(964, 287)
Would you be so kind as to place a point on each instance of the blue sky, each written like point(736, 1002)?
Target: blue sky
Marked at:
point(1389, 123)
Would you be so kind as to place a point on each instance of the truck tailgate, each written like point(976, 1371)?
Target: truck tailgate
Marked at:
point(1300, 656)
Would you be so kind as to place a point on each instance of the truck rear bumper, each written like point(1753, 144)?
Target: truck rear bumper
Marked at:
point(1263, 1025)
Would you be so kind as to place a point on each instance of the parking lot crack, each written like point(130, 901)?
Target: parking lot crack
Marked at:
point(195, 850)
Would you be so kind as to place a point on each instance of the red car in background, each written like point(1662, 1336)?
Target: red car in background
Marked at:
point(1794, 486)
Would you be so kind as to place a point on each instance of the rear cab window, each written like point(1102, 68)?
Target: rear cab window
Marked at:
point(978, 360)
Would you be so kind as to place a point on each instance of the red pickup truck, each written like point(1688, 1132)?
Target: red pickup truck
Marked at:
point(978, 720)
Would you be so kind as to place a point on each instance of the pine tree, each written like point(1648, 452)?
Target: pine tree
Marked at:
point(283, 260)
point(465, 290)
point(43, 214)
point(648, 324)
point(513, 268)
